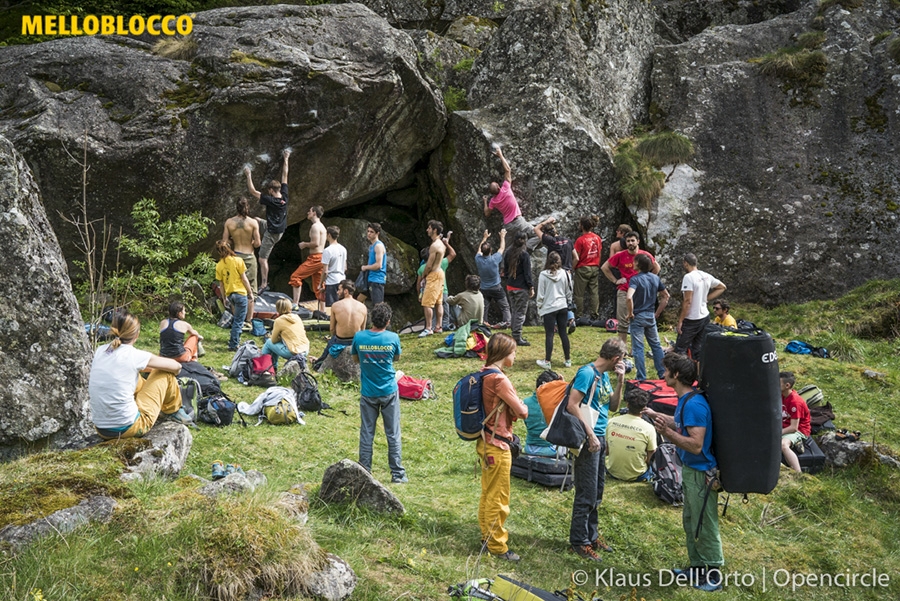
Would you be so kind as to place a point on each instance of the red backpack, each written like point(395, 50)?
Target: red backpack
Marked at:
point(415, 388)
point(262, 371)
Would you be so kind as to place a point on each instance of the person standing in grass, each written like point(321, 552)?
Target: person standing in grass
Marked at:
point(231, 272)
point(519, 285)
point(488, 264)
point(493, 448)
point(690, 429)
point(376, 350)
point(643, 290)
point(554, 296)
point(591, 398)
point(242, 233)
point(123, 404)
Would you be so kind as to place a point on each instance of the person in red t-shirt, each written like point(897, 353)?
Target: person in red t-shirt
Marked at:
point(624, 262)
point(587, 269)
point(795, 424)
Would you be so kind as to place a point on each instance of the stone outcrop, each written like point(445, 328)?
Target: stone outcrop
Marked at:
point(843, 453)
point(794, 190)
point(234, 484)
point(335, 83)
point(334, 582)
point(347, 481)
point(92, 509)
point(343, 366)
point(169, 444)
point(402, 259)
point(44, 352)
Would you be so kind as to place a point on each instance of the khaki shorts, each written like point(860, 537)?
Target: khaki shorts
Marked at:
point(268, 243)
point(250, 263)
point(434, 289)
point(622, 311)
point(795, 437)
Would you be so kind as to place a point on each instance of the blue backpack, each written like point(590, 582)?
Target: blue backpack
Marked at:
point(798, 347)
point(468, 408)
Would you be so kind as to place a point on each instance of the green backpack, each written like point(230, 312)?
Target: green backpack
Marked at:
point(281, 413)
point(812, 394)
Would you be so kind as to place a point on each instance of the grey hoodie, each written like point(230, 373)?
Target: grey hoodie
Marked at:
point(554, 291)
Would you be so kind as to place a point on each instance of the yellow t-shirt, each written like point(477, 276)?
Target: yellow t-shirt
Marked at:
point(228, 271)
point(289, 329)
point(629, 438)
point(728, 321)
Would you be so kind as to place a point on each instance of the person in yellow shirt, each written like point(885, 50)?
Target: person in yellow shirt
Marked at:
point(631, 441)
point(230, 271)
point(288, 334)
point(722, 308)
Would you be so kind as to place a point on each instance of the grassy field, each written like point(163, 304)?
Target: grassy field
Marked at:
point(836, 523)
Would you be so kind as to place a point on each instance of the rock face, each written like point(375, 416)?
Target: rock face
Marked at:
point(343, 366)
point(334, 82)
point(169, 446)
point(402, 259)
point(92, 509)
point(555, 87)
point(347, 481)
point(795, 187)
point(841, 453)
point(44, 352)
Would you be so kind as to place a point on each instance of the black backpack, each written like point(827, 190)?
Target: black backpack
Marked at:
point(665, 466)
point(218, 410)
point(306, 387)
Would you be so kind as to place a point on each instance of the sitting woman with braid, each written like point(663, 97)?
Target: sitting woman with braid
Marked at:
point(123, 404)
point(171, 336)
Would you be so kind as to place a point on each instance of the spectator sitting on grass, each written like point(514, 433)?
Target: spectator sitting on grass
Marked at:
point(722, 309)
point(795, 420)
point(470, 302)
point(535, 422)
point(631, 440)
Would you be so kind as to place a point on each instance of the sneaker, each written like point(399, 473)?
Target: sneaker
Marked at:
point(218, 470)
point(290, 370)
point(425, 332)
point(182, 418)
point(247, 327)
point(572, 326)
point(508, 556)
point(295, 308)
point(568, 363)
point(231, 349)
point(501, 326)
point(585, 552)
point(234, 469)
point(600, 545)
point(399, 479)
point(707, 585)
point(543, 364)
point(522, 342)
point(263, 289)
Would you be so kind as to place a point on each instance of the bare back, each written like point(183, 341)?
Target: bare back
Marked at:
point(316, 238)
point(348, 316)
point(243, 232)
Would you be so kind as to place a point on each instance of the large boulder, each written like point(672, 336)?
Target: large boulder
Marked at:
point(334, 82)
point(166, 448)
point(44, 352)
point(795, 187)
point(555, 87)
point(334, 582)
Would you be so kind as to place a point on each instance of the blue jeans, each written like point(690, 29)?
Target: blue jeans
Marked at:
point(644, 324)
point(239, 310)
point(276, 349)
point(389, 407)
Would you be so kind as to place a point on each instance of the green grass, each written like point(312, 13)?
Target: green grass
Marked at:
point(837, 521)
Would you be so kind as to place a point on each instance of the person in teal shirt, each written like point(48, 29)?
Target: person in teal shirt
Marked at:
point(535, 422)
point(375, 350)
point(592, 387)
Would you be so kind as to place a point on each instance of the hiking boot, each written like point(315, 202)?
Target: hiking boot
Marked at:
point(522, 342)
point(218, 470)
point(290, 370)
point(543, 364)
point(711, 581)
point(585, 552)
point(508, 556)
point(200, 350)
point(572, 326)
point(399, 479)
point(600, 545)
point(425, 332)
point(181, 417)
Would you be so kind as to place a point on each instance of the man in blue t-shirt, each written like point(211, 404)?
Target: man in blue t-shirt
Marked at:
point(375, 350)
point(591, 398)
point(377, 264)
point(643, 288)
point(691, 431)
point(488, 265)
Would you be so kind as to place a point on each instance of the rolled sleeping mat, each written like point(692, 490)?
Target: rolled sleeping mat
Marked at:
point(739, 373)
